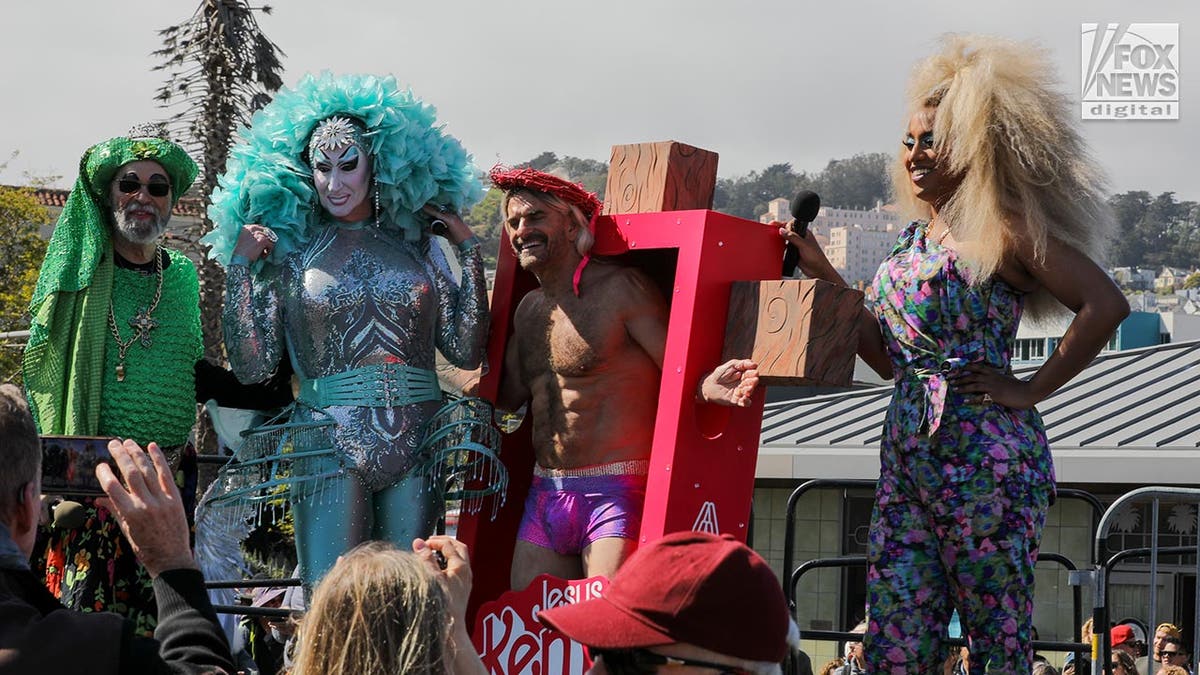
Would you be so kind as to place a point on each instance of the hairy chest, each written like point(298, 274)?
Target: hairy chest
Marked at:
point(570, 341)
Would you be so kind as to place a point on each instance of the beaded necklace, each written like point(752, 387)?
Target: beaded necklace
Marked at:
point(941, 237)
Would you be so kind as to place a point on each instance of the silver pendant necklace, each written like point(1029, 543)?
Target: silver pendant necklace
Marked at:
point(142, 321)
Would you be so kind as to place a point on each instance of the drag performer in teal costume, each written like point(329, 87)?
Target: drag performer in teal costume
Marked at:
point(324, 220)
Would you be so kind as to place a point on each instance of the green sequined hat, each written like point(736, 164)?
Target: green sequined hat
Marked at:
point(102, 160)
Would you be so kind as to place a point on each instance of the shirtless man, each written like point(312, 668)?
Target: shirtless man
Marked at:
point(587, 355)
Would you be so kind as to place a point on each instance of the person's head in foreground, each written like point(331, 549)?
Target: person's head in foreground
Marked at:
point(541, 208)
point(21, 480)
point(1124, 637)
point(1164, 631)
point(379, 610)
point(689, 599)
point(1173, 653)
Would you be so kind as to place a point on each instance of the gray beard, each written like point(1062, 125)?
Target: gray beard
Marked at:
point(136, 233)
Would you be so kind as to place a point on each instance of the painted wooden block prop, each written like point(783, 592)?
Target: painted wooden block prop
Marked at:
point(655, 177)
point(800, 331)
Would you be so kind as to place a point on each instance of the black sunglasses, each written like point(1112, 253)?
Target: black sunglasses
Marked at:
point(1166, 653)
point(155, 188)
point(646, 662)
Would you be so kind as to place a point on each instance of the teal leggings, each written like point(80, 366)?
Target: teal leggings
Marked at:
point(341, 513)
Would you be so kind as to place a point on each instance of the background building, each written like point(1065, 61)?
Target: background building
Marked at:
point(855, 241)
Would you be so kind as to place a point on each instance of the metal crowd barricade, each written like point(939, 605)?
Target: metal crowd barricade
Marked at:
point(1078, 648)
point(1099, 577)
point(247, 610)
point(794, 574)
point(789, 529)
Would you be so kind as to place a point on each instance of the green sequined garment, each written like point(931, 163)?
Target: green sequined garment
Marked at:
point(92, 568)
point(157, 400)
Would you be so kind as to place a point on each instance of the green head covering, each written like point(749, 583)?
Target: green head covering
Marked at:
point(101, 161)
point(69, 309)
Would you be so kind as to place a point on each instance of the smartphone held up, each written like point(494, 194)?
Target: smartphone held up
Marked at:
point(69, 464)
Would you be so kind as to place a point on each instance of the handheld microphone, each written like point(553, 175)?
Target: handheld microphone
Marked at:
point(804, 208)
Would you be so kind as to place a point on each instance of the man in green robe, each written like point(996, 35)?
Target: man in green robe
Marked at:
point(114, 346)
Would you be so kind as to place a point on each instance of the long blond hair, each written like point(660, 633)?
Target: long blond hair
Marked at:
point(378, 611)
point(1026, 172)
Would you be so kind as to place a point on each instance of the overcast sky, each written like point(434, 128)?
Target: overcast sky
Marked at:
point(759, 82)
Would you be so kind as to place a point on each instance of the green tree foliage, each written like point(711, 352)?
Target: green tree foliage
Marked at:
point(485, 221)
point(484, 218)
point(1192, 281)
point(1155, 231)
point(592, 174)
point(542, 162)
point(21, 252)
point(747, 196)
point(1129, 208)
point(854, 183)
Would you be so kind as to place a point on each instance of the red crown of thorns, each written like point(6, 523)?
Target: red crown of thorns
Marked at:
point(507, 179)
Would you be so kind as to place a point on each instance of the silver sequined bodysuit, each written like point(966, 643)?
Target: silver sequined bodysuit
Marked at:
point(360, 296)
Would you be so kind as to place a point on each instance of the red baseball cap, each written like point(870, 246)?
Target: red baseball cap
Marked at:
point(692, 587)
point(1120, 634)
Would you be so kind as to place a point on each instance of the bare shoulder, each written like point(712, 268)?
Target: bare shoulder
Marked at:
point(1027, 268)
point(1018, 267)
point(528, 307)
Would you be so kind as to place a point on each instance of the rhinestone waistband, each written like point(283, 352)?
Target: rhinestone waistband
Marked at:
point(631, 467)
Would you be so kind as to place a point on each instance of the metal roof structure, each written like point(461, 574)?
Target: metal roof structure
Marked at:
point(1130, 417)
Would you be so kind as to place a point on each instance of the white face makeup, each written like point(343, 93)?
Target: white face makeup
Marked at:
point(342, 177)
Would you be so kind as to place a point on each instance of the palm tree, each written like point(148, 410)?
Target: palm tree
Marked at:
point(220, 69)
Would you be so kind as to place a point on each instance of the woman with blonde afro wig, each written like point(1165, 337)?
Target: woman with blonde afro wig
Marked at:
point(1010, 215)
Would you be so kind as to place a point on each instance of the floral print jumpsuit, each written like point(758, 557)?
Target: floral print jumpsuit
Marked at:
point(964, 486)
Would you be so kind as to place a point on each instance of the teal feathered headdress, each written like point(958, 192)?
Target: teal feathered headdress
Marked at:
point(268, 181)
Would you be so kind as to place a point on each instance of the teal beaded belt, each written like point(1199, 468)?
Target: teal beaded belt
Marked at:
point(380, 386)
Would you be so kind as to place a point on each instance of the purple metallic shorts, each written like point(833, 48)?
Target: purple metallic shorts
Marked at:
point(568, 509)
